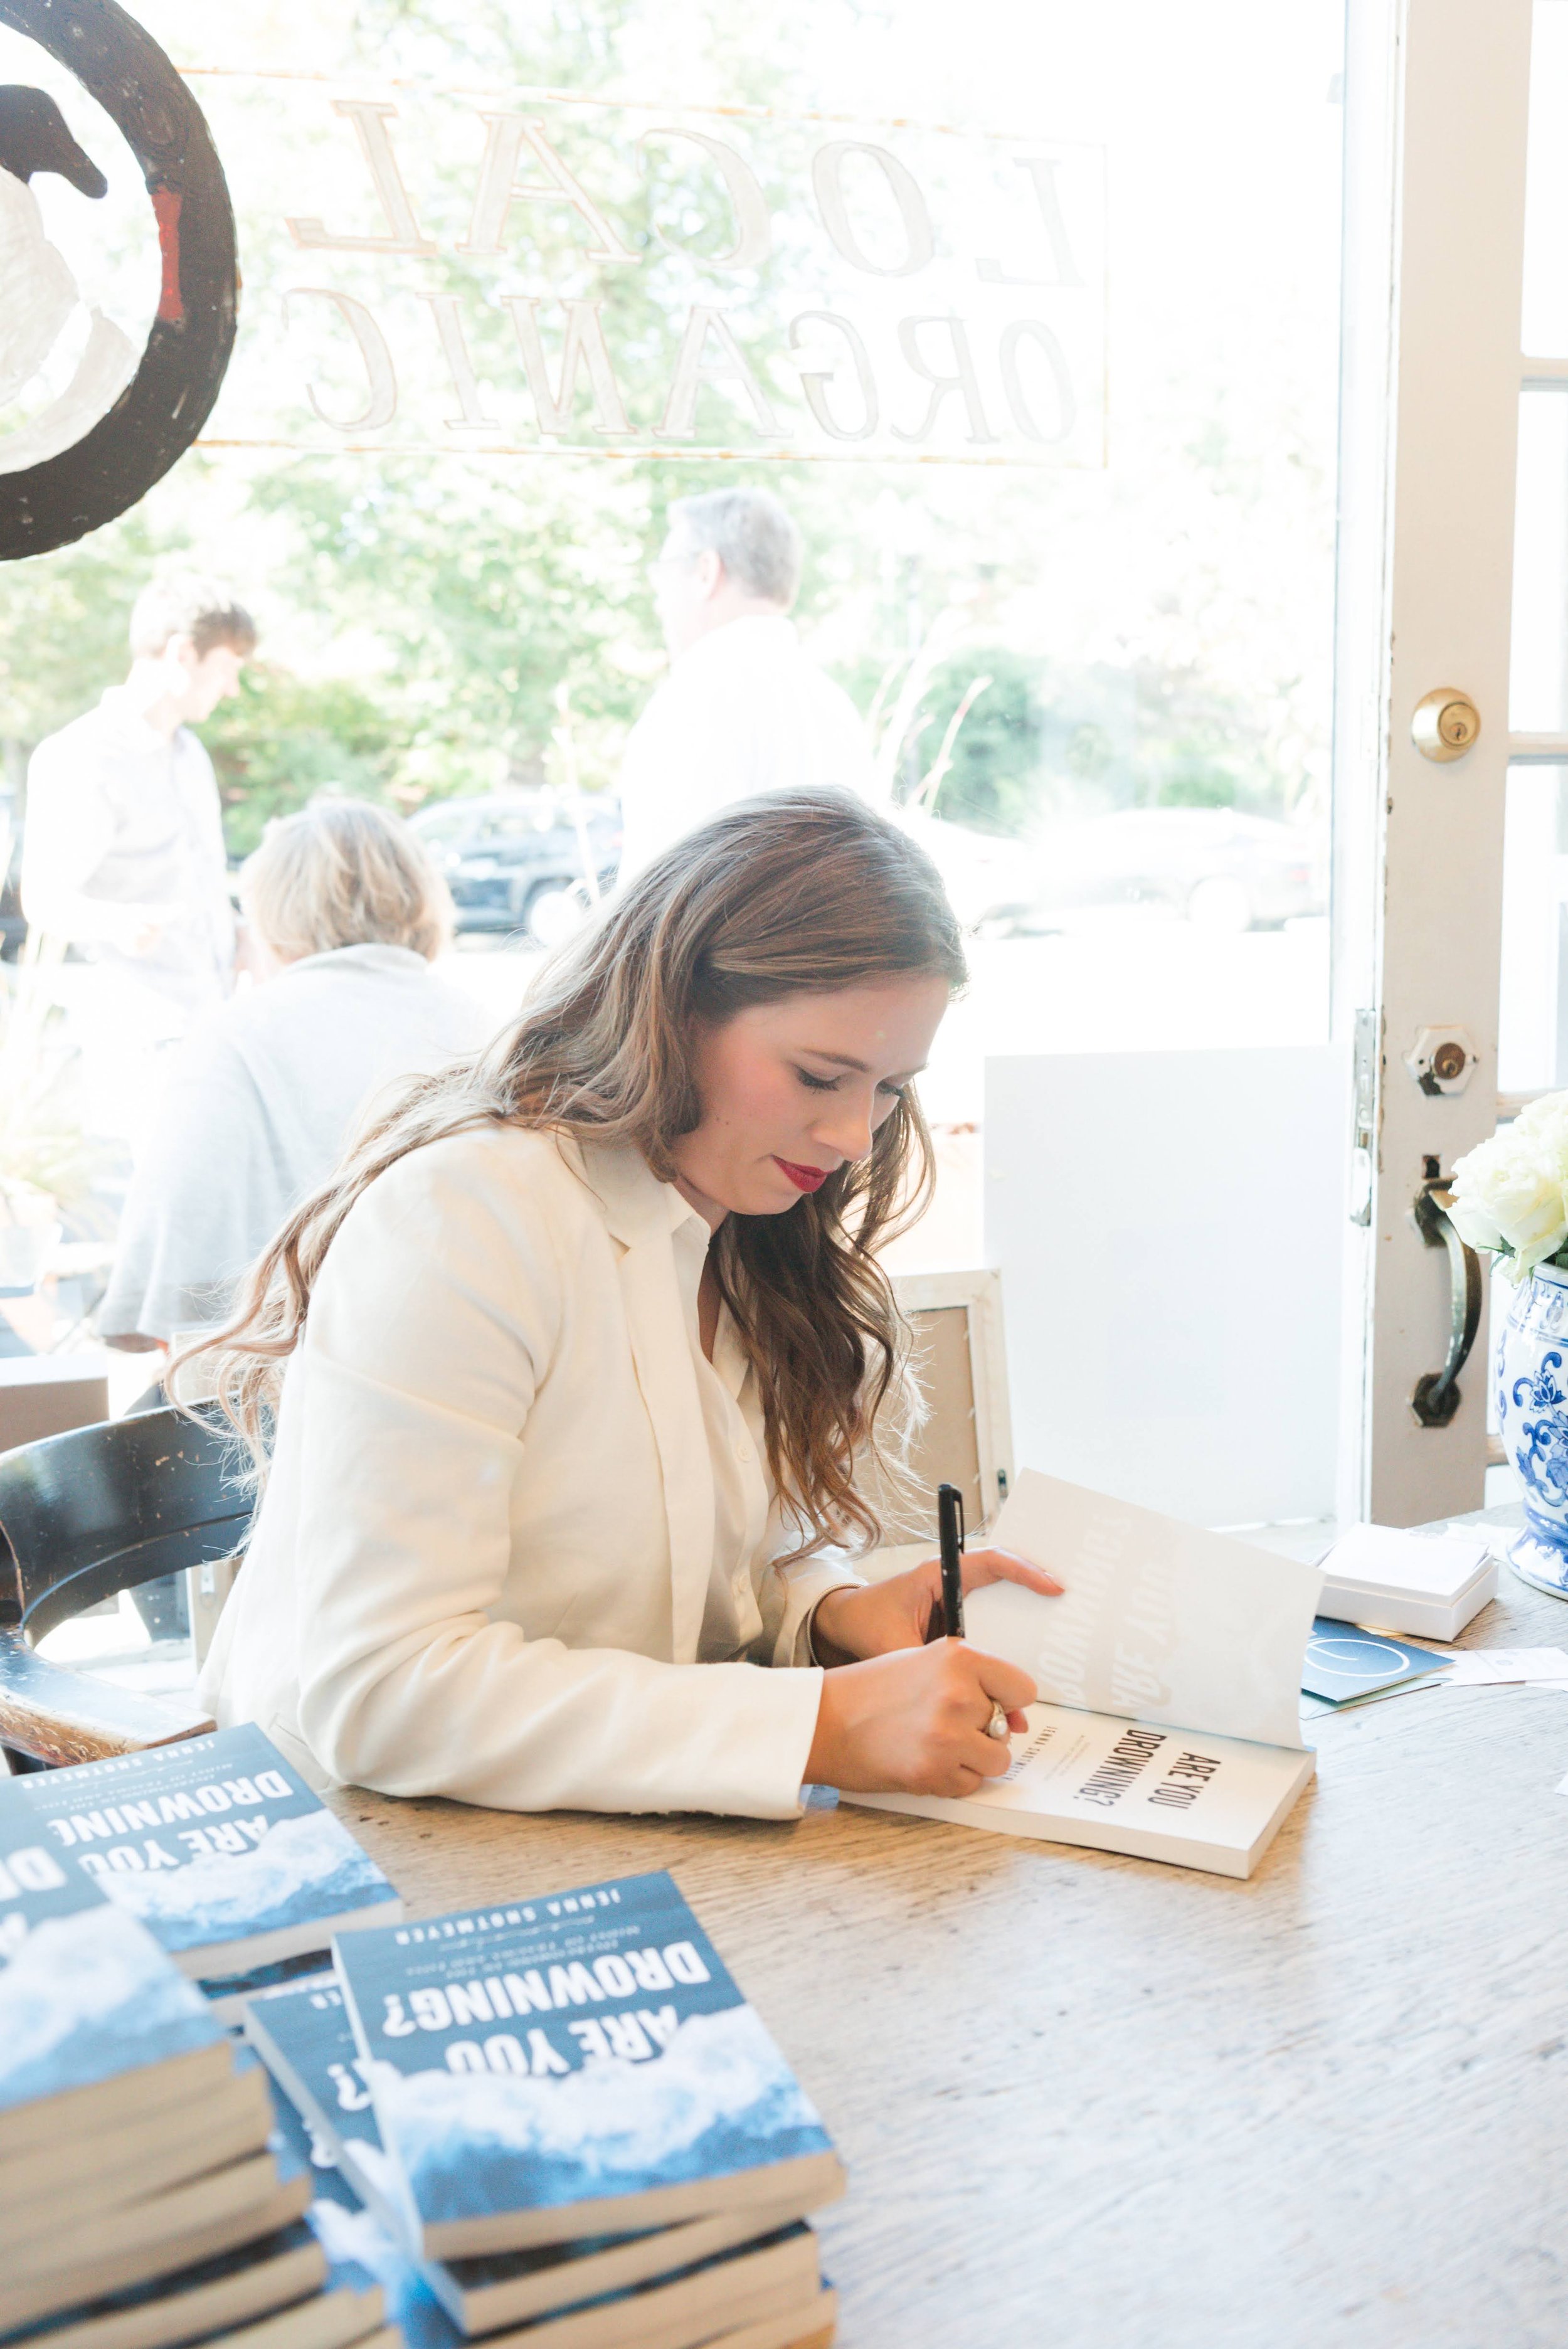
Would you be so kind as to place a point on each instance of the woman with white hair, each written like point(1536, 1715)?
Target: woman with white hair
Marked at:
point(345, 913)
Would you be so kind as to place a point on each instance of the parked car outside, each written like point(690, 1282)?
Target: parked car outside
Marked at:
point(13, 925)
point(988, 878)
point(513, 860)
point(1222, 870)
point(13, 921)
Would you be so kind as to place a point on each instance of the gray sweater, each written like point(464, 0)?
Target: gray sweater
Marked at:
point(259, 1106)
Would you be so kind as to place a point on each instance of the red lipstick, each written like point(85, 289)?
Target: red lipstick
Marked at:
point(805, 1178)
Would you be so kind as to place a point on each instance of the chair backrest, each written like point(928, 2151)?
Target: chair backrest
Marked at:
point(103, 1509)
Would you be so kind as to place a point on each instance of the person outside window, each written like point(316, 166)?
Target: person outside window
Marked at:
point(743, 709)
point(123, 852)
point(345, 913)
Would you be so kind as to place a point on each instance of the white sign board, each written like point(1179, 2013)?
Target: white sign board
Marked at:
point(1168, 1226)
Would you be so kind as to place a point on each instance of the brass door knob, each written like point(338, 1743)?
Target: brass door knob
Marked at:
point(1445, 723)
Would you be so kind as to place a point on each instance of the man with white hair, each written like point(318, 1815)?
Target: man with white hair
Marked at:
point(743, 709)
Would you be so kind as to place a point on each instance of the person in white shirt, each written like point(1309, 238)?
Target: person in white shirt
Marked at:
point(744, 709)
point(123, 853)
point(585, 1347)
point(345, 913)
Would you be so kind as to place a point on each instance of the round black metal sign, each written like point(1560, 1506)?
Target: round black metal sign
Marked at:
point(160, 411)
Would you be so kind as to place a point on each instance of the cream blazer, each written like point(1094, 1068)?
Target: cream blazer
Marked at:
point(484, 1558)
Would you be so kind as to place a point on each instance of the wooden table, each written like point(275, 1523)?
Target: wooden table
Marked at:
point(1091, 2100)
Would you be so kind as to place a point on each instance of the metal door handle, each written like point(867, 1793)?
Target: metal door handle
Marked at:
point(1436, 1397)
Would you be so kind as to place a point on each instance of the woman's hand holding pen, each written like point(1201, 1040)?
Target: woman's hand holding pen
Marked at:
point(906, 1612)
point(915, 1720)
point(906, 1710)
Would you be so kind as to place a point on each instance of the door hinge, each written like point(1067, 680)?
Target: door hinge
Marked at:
point(1364, 1116)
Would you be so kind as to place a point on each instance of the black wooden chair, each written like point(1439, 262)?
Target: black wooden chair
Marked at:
point(82, 1517)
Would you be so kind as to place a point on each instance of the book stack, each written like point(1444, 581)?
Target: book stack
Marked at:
point(143, 2199)
point(557, 2123)
point(221, 1851)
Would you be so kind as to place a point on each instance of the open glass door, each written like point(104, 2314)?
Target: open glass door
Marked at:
point(1436, 155)
point(1533, 1050)
point(1034, 322)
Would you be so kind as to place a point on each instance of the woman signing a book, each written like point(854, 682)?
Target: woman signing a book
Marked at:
point(567, 1374)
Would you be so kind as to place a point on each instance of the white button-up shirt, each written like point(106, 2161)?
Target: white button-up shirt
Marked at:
point(124, 829)
point(519, 1544)
point(742, 710)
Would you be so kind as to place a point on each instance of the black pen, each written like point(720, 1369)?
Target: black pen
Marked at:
point(950, 1536)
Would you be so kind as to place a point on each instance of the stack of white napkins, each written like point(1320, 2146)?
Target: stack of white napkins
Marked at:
point(1430, 1584)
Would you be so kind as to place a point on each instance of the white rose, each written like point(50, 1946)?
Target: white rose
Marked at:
point(1509, 1193)
point(1546, 1123)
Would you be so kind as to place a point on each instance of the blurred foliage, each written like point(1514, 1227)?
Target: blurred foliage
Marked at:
point(62, 619)
point(1198, 786)
point(1197, 747)
point(994, 781)
point(283, 739)
point(44, 1153)
point(481, 590)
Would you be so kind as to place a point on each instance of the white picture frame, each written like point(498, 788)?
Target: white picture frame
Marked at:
point(976, 1293)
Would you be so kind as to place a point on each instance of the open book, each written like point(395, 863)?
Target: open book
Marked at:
point(1169, 1678)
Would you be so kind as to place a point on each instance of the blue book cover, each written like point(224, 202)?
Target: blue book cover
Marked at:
point(365, 2254)
point(305, 2037)
point(335, 2218)
point(216, 1844)
point(86, 1993)
point(572, 2066)
point(307, 2040)
point(305, 2147)
point(232, 1993)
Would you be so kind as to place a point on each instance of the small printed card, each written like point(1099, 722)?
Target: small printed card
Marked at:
point(1493, 1667)
point(1343, 1663)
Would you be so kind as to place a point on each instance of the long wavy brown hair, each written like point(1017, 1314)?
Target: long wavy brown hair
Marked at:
point(795, 893)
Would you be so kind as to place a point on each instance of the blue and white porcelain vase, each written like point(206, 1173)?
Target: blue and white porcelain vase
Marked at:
point(1532, 1414)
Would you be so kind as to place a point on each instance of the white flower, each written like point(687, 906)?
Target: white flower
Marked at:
point(1546, 1122)
point(1511, 1192)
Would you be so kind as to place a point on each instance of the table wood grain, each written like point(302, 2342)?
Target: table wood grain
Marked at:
point(1092, 2100)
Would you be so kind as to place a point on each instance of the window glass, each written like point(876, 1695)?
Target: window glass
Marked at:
point(1033, 328)
point(1546, 186)
point(1071, 557)
point(1538, 692)
point(1533, 1022)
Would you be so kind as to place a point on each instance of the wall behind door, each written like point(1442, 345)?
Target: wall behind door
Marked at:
point(1169, 1228)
